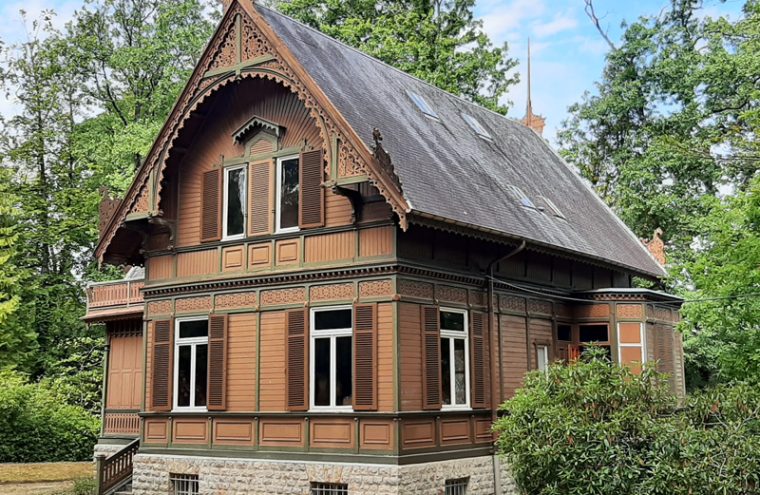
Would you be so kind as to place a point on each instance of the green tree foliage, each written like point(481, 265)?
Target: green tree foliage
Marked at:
point(38, 425)
point(439, 41)
point(594, 427)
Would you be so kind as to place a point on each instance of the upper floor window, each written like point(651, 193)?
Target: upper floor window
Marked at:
point(234, 202)
point(331, 358)
point(191, 364)
point(288, 191)
point(455, 361)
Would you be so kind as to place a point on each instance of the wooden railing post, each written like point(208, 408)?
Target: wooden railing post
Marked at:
point(99, 460)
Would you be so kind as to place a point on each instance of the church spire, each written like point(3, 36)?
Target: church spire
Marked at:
point(535, 122)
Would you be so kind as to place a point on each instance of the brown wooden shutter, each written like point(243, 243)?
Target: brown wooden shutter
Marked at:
point(478, 360)
point(217, 362)
point(260, 215)
point(297, 368)
point(311, 193)
point(431, 358)
point(161, 369)
point(365, 357)
point(211, 223)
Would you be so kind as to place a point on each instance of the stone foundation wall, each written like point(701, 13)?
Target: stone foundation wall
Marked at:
point(219, 476)
point(106, 449)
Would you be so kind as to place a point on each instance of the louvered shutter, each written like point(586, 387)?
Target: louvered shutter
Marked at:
point(297, 372)
point(365, 357)
point(161, 369)
point(478, 360)
point(211, 222)
point(311, 193)
point(260, 216)
point(431, 358)
point(217, 362)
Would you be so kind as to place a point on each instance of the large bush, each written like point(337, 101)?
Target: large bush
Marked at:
point(595, 428)
point(38, 425)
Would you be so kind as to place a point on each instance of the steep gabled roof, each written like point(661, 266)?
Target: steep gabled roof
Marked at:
point(446, 170)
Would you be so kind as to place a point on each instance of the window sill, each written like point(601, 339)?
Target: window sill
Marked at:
point(327, 409)
point(455, 408)
point(189, 410)
point(237, 237)
point(289, 230)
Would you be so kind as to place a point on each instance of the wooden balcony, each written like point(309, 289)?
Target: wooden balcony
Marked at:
point(114, 300)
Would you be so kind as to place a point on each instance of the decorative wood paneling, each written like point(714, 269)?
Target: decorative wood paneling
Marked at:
point(431, 358)
point(479, 382)
point(234, 432)
point(126, 424)
point(288, 252)
point(238, 300)
point(332, 292)
point(156, 431)
point(193, 304)
point(279, 297)
point(455, 431)
point(410, 357)
point(241, 357)
point(330, 247)
point(332, 433)
point(197, 263)
point(211, 224)
point(281, 433)
point(190, 431)
point(451, 294)
point(260, 215)
point(630, 333)
point(630, 354)
point(217, 362)
point(593, 311)
point(376, 435)
point(514, 354)
point(272, 351)
point(415, 290)
point(512, 304)
point(483, 430)
point(233, 259)
point(160, 308)
point(386, 358)
point(297, 369)
point(338, 210)
point(365, 357)
point(261, 146)
point(418, 434)
point(160, 267)
point(125, 370)
point(260, 256)
point(630, 311)
point(536, 306)
point(161, 369)
point(375, 288)
point(376, 241)
point(311, 193)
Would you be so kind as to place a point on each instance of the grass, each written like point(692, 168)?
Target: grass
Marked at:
point(45, 472)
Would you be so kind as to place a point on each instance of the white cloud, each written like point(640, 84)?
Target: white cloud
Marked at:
point(501, 20)
point(560, 23)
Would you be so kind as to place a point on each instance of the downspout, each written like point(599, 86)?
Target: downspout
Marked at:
point(493, 328)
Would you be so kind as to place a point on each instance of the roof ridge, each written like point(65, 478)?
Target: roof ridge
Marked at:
point(386, 64)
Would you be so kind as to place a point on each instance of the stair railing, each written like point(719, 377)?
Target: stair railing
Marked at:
point(112, 471)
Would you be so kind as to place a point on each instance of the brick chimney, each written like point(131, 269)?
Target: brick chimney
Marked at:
point(535, 122)
point(657, 247)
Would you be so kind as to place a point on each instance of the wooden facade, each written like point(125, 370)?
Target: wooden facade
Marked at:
point(247, 108)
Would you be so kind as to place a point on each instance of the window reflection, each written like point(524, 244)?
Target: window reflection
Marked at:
point(289, 188)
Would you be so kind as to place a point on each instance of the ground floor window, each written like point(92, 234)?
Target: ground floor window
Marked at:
point(456, 486)
point(598, 335)
point(191, 364)
point(455, 359)
point(542, 357)
point(329, 489)
point(183, 484)
point(331, 358)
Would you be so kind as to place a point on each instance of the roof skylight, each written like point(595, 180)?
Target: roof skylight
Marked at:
point(422, 104)
point(475, 126)
point(520, 196)
point(553, 209)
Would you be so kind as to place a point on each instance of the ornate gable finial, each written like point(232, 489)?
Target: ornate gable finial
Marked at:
point(535, 122)
point(383, 158)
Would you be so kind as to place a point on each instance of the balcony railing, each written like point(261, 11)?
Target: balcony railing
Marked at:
point(118, 293)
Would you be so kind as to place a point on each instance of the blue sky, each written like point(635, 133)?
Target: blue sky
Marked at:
point(567, 52)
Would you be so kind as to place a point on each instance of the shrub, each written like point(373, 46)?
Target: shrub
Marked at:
point(595, 427)
point(38, 425)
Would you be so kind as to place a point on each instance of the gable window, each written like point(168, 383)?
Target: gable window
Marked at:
point(288, 188)
point(331, 358)
point(190, 364)
point(455, 360)
point(234, 202)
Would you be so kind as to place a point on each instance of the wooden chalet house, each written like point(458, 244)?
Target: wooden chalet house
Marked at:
point(346, 271)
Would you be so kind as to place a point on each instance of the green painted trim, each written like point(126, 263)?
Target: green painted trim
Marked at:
point(334, 157)
point(104, 393)
point(114, 440)
point(239, 40)
point(258, 368)
point(138, 215)
point(352, 180)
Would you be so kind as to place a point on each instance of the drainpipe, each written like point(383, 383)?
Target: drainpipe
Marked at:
point(492, 329)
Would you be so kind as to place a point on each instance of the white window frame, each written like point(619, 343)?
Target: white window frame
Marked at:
point(227, 170)
point(542, 350)
point(278, 193)
point(193, 342)
point(452, 335)
point(332, 334)
point(642, 345)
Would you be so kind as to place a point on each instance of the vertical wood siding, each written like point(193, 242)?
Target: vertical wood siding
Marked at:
point(385, 362)
point(125, 372)
point(410, 357)
point(330, 247)
point(241, 358)
point(198, 263)
point(376, 241)
point(514, 355)
point(272, 351)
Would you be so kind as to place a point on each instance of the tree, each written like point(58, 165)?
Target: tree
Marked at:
point(439, 41)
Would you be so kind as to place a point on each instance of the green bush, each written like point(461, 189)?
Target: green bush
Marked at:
point(595, 428)
point(38, 425)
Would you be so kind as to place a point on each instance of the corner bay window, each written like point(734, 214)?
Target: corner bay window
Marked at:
point(597, 334)
point(288, 190)
point(234, 202)
point(331, 358)
point(455, 366)
point(191, 364)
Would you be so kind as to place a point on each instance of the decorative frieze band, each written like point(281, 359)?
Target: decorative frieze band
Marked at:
point(193, 304)
point(156, 308)
point(332, 292)
point(280, 297)
point(238, 300)
point(375, 288)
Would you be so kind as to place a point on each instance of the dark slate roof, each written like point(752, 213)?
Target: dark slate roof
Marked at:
point(446, 170)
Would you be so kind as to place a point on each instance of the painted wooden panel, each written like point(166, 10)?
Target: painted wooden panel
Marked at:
point(330, 247)
point(233, 258)
point(338, 210)
point(148, 363)
point(630, 354)
point(235, 432)
point(376, 435)
point(540, 334)
point(377, 241)
point(385, 363)
point(630, 311)
point(332, 433)
point(260, 256)
point(630, 333)
point(418, 434)
point(241, 362)
point(156, 431)
point(410, 357)
point(190, 431)
point(160, 267)
point(287, 252)
point(281, 433)
point(593, 311)
point(125, 372)
point(455, 431)
point(514, 354)
point(197, 263)
point(483, 430)
point(272, 369)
